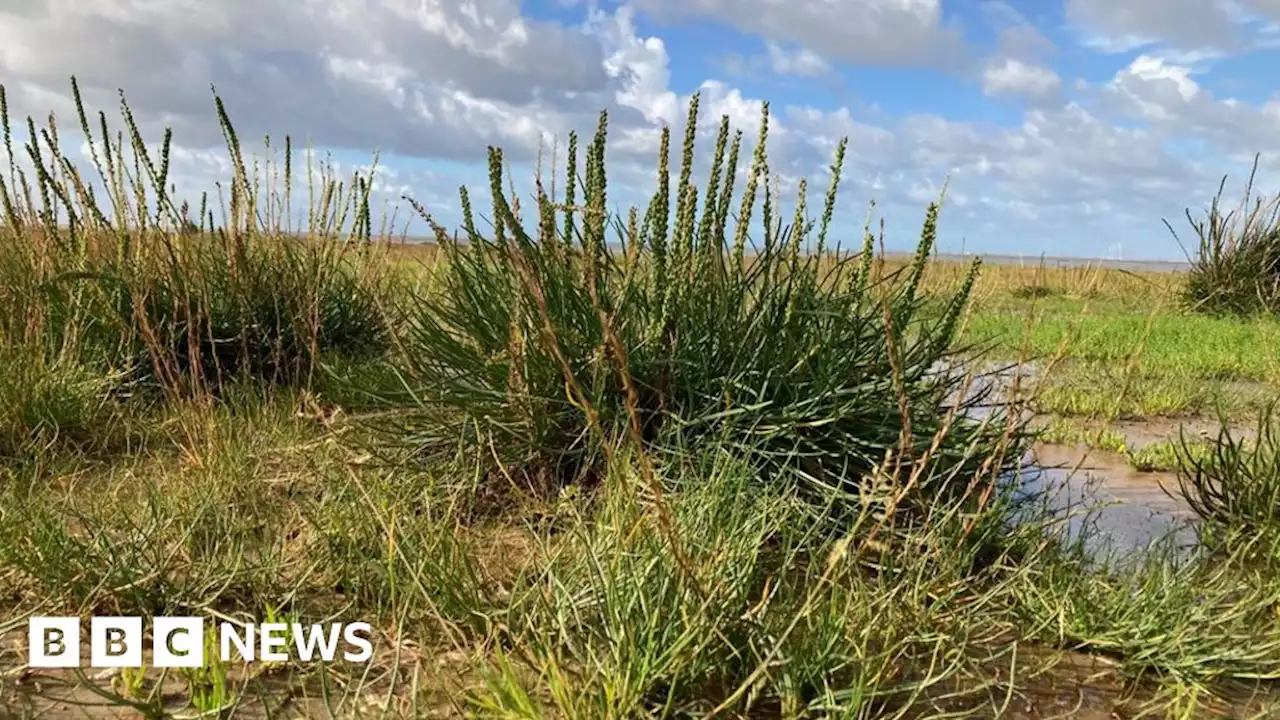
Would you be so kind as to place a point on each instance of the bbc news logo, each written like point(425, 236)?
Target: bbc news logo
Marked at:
point(179, 642)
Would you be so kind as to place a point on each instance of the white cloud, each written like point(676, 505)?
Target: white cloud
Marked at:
point(1012, 76)
point(1155, 89)
point(1014, 66)
point(802, 62)
point(640, 63)
point(1168, 98)
point(1183, 24)
point(1123, 25)
point(897, 32)
point(427, 77)
point(778, 60)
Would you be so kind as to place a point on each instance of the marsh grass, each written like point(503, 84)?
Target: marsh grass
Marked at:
point(269, 512)
point(544, 345)
point(54, 401)
point(1235, 488)
point(1129, 350)
point(116, 273)
point(790, 624)
point(1236, 266)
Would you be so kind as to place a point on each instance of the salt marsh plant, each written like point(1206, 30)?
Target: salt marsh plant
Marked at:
point(1236, 269)
point(543, 343)
point(1235, 488)
point(52, 399)
point(119, 272)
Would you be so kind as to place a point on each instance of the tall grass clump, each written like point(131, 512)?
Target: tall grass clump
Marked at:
point(105, 256)
point(1236, 269)
point(544, 343)
point(1234, 488)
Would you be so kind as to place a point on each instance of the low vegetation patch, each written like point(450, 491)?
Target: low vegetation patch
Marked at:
point(1236, 266)
point(1159, 455)
point(54, 400)
point(1235, 488)
point(154, 294)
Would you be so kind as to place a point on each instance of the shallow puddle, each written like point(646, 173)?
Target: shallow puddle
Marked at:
point(1118, 510)
point(1123, 511)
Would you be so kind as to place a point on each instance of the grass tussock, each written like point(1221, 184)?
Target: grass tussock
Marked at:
point(105, 264)
point(54, 400)
point(1236, 269)
point(1235, 488)
point(544, 342)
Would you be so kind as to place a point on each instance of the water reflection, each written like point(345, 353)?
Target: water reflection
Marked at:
point(1112, 519)
point(1115, 512)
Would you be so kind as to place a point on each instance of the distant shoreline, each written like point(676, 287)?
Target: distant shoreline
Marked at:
point(1048, 261)
point(1064, 262)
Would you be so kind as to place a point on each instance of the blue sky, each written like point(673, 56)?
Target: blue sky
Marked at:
point(1064, 127)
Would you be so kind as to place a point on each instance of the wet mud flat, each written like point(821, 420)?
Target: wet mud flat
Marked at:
point(1080, 686)
point(1118, 510)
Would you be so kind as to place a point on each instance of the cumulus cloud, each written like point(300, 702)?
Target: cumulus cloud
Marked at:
point(414, 77)
point(1168, 97)
point(779, 61)
point(802, 62)
point(1011, 76)
point(1014, 66)
point(1156, 90)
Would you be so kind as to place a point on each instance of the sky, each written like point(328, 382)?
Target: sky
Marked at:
point(1059, 127)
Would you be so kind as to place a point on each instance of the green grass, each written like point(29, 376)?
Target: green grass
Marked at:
point(1160, 455)
point(1169, 343)
point(148, 288)
point(1168, 455)
point(676, 479)
point(579, 608)
point(1117, 362)
point(1065, 432)
point(1235, 488)
point(54, 400)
